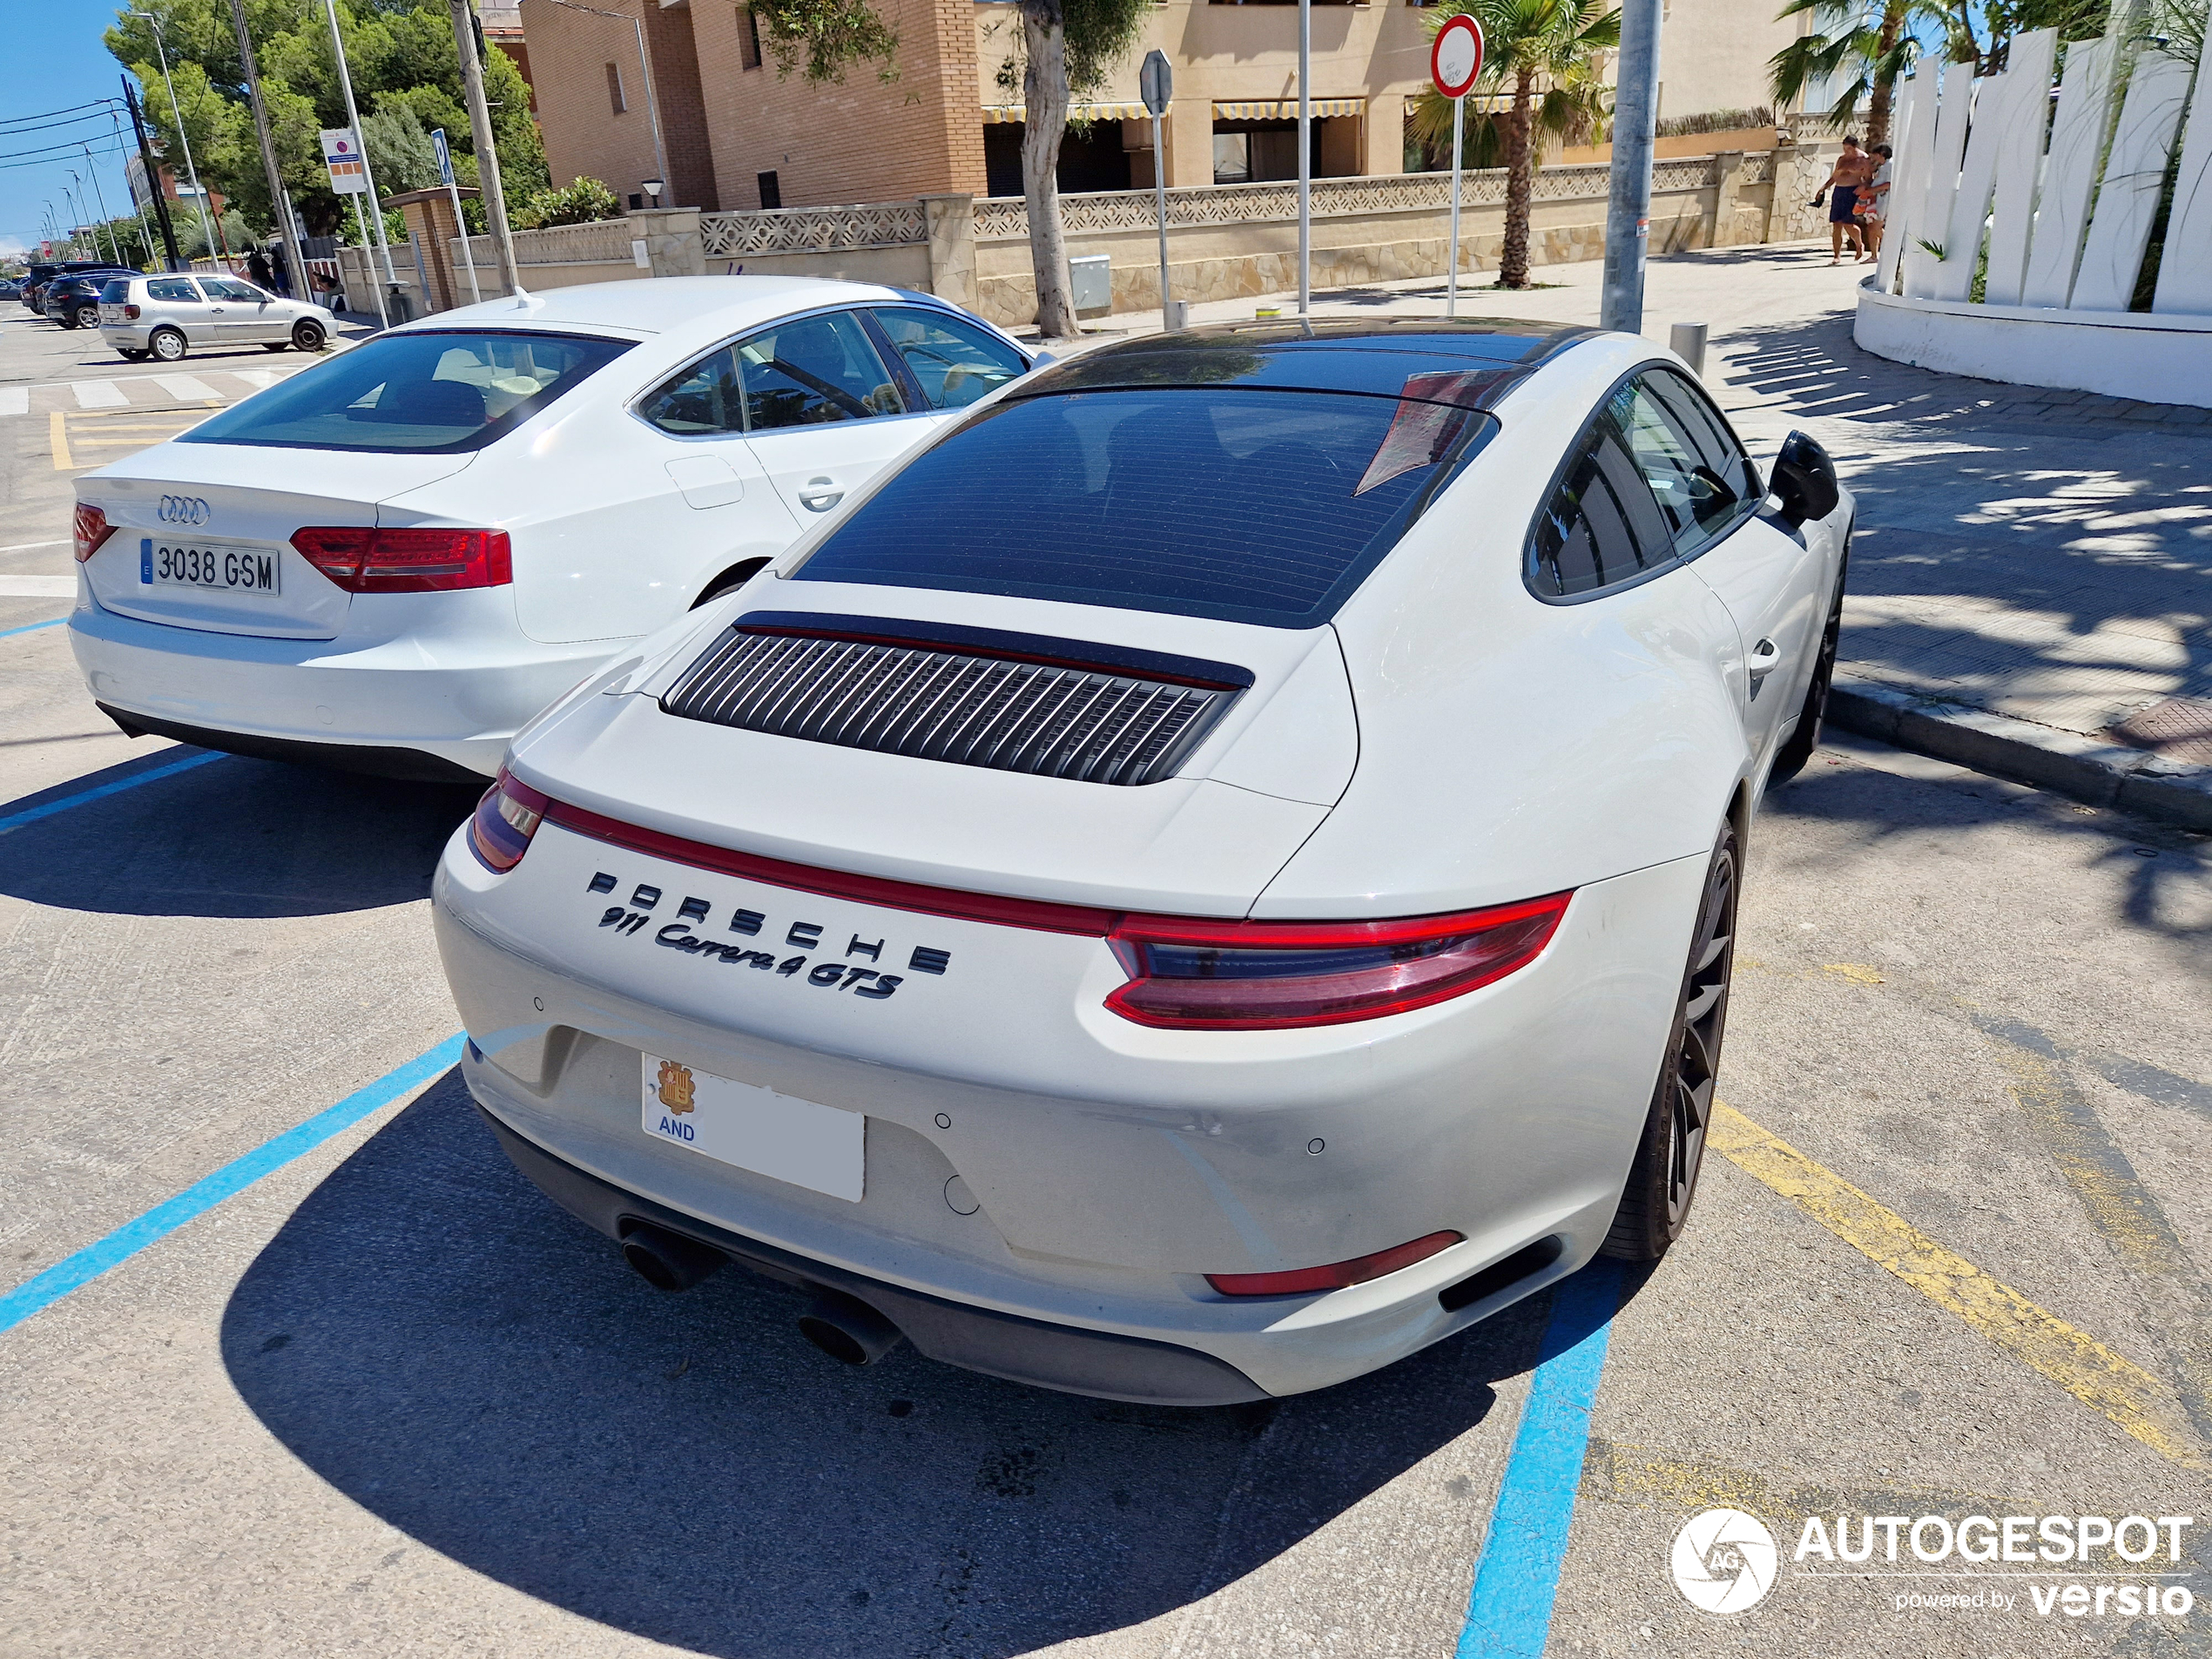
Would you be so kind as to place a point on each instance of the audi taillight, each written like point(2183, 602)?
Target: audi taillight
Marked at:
point(1336, 1275)
point(91, 530)
point(1188, 974)
point(363, 560)
point(505, 819)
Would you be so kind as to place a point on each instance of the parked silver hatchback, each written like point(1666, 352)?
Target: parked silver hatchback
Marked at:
point(164, 317)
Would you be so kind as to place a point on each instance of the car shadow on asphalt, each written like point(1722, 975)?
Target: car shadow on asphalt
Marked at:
point(233, 838)
point(431, 1336)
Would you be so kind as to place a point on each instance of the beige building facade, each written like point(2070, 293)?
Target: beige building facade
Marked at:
point(736, 133)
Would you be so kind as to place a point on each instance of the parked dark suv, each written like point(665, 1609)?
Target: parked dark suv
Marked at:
point(44, 271)
point(73, 301)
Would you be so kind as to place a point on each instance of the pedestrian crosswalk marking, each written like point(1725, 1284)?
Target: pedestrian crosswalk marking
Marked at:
point(185, 388)
point(15, 400)
point(99, 394)
point(258, 379)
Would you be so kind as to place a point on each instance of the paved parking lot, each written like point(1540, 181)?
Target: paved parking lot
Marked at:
point(356, 1386)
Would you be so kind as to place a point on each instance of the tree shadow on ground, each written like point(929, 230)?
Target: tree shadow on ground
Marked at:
point(431, 1336)
point(234, 837)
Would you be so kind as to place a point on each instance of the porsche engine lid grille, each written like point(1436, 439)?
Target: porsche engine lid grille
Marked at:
point(993, 706)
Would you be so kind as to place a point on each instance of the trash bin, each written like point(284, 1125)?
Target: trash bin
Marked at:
point(1093, 277)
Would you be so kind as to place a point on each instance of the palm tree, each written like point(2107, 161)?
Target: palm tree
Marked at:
point(1859, 51)
point(1545, 52)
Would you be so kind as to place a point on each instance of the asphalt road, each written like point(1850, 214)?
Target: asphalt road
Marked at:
point(386, 1398)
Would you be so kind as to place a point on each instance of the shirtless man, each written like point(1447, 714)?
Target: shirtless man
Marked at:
point(1853, 170)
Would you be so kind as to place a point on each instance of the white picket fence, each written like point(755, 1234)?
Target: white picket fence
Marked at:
point(1973, 173)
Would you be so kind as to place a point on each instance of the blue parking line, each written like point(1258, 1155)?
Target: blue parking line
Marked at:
point(33, 628)
point(203, 1195)
point(1509, 1613)
point(47, 809)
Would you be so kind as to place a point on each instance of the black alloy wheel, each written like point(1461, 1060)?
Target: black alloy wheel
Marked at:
point(1662, 1179)
point(1791, 758)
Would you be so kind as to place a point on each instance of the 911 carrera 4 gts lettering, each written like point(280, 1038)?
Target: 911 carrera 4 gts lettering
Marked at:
point(826, 974)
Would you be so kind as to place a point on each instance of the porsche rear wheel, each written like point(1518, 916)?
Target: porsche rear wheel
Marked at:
point(1663, 1178)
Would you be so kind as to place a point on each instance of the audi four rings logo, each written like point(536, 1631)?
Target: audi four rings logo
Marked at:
point(184, 509)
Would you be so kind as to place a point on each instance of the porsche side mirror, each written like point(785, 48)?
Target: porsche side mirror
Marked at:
point(1804, 480)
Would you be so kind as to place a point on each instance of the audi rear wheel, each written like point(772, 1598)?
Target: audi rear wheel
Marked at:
point(1654, 1207)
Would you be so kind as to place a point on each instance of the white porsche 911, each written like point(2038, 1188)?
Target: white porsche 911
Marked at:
point(392, 560)
point(1216, 873)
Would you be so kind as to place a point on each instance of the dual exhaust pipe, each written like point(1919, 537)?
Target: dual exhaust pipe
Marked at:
point(842, 1326)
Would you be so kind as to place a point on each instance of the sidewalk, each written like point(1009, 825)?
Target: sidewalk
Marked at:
point(2031, 582)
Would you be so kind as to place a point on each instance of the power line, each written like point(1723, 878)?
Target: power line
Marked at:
point(16, 120)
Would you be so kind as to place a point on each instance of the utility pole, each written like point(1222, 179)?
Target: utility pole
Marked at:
point(1628, 214)
point(279, 204)
point(467, 41)
point(1305, 160)
point(191, 173)
point(153, 177)
point(100, 196)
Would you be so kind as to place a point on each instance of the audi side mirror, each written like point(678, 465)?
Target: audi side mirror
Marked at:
point(1803, 480)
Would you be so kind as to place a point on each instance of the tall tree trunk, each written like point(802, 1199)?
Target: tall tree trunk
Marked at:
point(1044, 121)
point(1513, 263)
point(1877, 105)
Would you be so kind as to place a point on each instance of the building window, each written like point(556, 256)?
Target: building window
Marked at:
point(614, 89)
point(748, 38)
point(771, 193)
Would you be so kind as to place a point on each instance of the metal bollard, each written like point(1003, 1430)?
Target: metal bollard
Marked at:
point(1177, 316)
point(1687, 341)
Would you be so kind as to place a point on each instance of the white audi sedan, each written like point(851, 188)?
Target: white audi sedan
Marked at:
point(1218, 873)
point(394, 559)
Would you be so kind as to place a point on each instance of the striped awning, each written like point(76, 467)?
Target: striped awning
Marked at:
point(994, 113)
point(1285, 109)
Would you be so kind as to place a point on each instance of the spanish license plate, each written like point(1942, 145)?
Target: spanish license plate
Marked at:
point(224, 567)
point(817, 1147)
point(111, 314)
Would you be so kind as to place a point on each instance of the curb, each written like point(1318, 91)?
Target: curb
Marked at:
point(2101, 774)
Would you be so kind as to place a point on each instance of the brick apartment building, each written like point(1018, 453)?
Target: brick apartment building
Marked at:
point(736, 134)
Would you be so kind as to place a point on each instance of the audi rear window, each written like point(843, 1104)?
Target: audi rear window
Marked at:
point(1267, 507)
point(433, 393)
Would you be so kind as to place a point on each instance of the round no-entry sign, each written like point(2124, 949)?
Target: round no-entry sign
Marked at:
point(1455, 57)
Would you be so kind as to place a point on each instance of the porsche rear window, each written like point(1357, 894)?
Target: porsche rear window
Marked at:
point(433, 393)
point(1267, 507)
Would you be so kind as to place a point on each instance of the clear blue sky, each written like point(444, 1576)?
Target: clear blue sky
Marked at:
point(54, 59)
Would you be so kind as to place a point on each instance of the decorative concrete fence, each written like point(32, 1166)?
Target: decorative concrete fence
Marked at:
point(1224, 241)
point(2011, 255)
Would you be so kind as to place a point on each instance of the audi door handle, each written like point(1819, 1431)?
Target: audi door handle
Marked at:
point(820, 495)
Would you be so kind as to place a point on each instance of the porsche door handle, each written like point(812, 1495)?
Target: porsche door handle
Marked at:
point(1765, 657)
point(820, 495)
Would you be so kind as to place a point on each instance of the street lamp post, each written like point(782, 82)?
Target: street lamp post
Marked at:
point(645, 67)
point(199, 196)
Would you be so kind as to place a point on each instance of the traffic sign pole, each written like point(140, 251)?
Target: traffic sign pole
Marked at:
point(1455, 64)
point(1452, 277)
point(1155, 82)
point(460, 224)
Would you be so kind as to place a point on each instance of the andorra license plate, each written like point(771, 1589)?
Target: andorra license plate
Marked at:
point(224, 567)
point(756, 1128)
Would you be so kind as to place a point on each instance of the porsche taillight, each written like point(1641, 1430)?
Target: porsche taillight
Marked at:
point(505, 819)
point(1188, 974)
point(368, 560)
point(90, 530)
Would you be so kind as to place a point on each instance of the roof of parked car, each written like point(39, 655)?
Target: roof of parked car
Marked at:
point(1469, 361)
point(652, 306)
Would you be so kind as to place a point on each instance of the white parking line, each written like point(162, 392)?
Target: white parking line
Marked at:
point(185, 388)
point(15, 400)
point(25, 547)
point(37, 586)
point(99, 394)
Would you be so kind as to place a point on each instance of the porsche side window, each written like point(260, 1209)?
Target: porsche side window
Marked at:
point(706, 398)
point(811, 370)
point(1697, 501)
point(1602, 528)
point(1705, 427)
